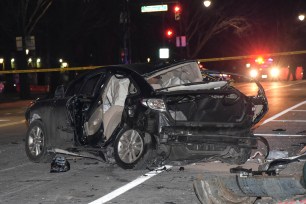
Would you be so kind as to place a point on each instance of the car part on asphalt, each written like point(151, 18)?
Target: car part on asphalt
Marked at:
point(244, 190)
point(277, 154)
point(145, 115)
point(100, 156)
point(59, 164)
point(281, 163)
point(247, 185)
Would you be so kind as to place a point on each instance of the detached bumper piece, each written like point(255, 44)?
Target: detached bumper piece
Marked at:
point(247, 186)
point(234, 189)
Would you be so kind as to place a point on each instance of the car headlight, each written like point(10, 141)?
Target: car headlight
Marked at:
point(155, 104)
point(253, 73)
point(274, 72)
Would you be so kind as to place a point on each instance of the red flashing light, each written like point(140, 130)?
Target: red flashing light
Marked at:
point(169, 33)
point(177, 9)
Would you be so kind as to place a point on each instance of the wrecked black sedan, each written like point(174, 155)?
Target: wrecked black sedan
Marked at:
point(144, 114)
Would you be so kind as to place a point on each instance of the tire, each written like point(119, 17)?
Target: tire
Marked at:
point(36, 143)
point(132, 149)
point(237, 155)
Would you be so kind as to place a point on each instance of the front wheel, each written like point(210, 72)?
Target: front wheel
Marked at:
point(132, 149)
point(36, 143)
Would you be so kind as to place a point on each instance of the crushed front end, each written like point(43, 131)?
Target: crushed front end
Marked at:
point(204, 121)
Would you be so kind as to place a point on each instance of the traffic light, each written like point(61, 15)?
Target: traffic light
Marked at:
point(177, 12)
point(169, 33)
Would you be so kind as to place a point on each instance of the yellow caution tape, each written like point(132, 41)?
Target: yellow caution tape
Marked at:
point(50, 70)
point(200, 60)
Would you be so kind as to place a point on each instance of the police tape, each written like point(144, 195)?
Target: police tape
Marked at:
point(38, 70)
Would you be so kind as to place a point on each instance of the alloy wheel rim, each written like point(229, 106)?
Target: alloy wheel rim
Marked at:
point(130, 146)
point(36, 141)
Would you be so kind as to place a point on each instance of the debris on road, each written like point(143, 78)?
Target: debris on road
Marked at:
point(245, 186)
point(279, 130)
point(277, 154)
point(59, 164)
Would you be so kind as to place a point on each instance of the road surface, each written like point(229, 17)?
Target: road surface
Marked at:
point(90, 181)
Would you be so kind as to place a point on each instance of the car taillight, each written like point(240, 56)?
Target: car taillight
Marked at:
point(154, 103)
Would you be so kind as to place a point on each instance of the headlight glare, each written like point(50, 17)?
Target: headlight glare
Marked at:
point(253, 73)
point(274, 72)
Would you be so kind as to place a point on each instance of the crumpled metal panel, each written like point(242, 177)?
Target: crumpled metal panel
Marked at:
point(236, 189)
point(277, 187)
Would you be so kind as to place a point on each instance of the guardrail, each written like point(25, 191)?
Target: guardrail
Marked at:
point(37, 70)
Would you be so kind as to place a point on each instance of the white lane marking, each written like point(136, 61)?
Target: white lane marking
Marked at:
point(130, 185)
point(283, 112)
point(12, 123)
point(274, 135)
point(297, 121)
point(276, 87)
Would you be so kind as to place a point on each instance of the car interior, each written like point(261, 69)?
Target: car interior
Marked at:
point(179, 75)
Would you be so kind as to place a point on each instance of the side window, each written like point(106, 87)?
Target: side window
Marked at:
point(89, 87)
point(74, 87)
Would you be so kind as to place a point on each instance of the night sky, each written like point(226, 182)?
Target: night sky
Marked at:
point(89, 32)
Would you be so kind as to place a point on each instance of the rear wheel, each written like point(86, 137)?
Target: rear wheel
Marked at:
point(132, 149)
point(36, 143)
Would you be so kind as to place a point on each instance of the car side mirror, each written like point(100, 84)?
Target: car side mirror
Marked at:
point(59, 92)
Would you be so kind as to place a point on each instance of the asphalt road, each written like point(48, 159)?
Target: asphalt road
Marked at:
point(88, 180)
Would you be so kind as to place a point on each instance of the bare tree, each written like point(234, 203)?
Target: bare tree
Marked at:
point(202, 24)
point(22, 18)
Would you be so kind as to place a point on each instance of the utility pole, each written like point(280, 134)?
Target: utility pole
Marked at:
point(125, 19)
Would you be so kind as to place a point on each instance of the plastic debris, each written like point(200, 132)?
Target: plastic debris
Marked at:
point(277, 154)
point(59, 164)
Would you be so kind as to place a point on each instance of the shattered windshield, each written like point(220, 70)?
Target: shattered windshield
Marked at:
point(175, 76)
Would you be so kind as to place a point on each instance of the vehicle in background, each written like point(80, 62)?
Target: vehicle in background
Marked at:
point(266, 69)
point(206, 73)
